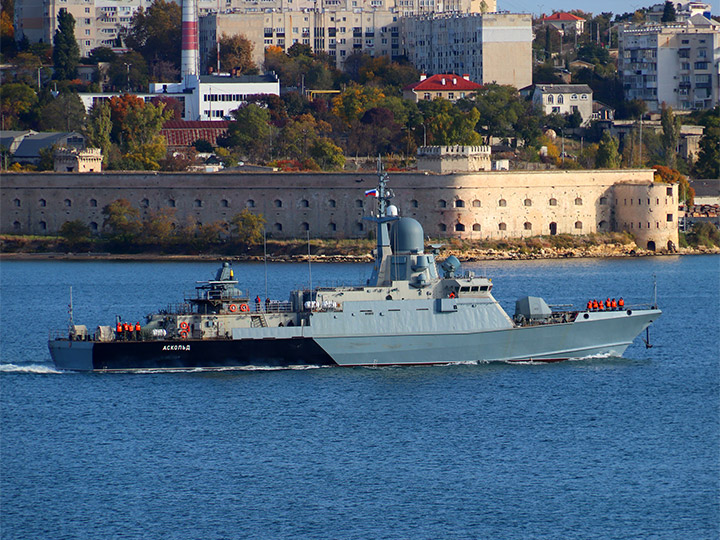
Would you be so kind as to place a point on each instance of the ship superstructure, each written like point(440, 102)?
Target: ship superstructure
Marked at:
point(410, 311)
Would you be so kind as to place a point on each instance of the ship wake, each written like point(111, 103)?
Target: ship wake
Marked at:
point(43, 369)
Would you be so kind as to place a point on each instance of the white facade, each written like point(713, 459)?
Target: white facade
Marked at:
point(676, 63)
point(489, 47)
point(564, 99)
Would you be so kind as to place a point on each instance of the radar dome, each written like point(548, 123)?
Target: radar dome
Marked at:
point(392, 210)
point(406, 236)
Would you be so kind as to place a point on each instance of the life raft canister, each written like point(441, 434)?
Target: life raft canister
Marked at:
point(183, 334)
point(244, 307)
point(232, 308)
point(184, 325)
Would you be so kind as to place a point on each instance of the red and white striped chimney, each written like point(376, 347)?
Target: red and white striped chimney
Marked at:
point(190, 56)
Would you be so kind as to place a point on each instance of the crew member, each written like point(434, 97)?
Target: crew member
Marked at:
point(607, 303)
point(137, 331)
point(595, 304)
point(128, 331)
point(621, 303)
point(613, 304)
point(589, 306)
point(257, 303)
point(601, 305)
point(119, 331)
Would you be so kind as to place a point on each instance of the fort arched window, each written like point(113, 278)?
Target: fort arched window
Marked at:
point(278, 227)
point(527, 226)
point(16, 226)
point(502, 226)
point(442, 227)
point(332, 203)
point(553, 202)
point(94, 227)
point(414, 203)
point(459, 203)
point(198, 203)
point(603, 225)
point(42, 202)
point(67, 203)
point(277, 203)
point(502, 202)
point(250, 203)
point(459, 227)
point(476, 204)
point(304, 203)
point(225, 203)
point(171, 203)
point(332, 226)
point(476, 227)
point(578, 224)
point(358, 203)
point(43, 226)
point(16, 202)
point(305, 227)
point(603, 200)
point(145, 203)
point(442, 203)
point(93, 203)
point(578, 201)
point(359, 226)
point(527, 202)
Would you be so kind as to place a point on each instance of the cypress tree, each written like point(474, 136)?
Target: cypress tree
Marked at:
point(66, 53)
point(669, 14)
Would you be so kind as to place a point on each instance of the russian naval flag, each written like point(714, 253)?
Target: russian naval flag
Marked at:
point(371, 193)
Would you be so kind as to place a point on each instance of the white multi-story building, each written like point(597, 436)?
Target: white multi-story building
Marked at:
point(683, 11)
point(675, 63)
point(564, 99)
point(489, 47)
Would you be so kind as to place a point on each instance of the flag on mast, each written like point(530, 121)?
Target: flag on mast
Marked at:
point(371, 193)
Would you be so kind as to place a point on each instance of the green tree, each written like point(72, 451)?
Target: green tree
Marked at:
point(16, 99)
point(66, 112)
point(669, 14)
point(670, 135)
point(128, 72)
point(250, 132)
point(298, 135)
point(708, 162)
point(447, 124)
point(156, 32)
point(607, 154)
point(101, 54)
point(66, 53)
point(122, 222)
point(75, 233)
point(158, 226)
point(98, 128)
point(235, 54)
point(352, 103)
point(328, 155)
point(500, 108)
point(248, 227)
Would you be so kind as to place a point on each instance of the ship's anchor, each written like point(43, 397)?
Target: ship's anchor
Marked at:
point(646, 339)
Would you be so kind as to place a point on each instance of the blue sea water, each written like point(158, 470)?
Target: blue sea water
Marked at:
point(598, 448)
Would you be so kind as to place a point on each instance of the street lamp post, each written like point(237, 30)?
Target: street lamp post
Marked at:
point(127, 67)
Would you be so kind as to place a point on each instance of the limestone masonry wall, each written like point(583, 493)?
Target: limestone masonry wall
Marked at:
point(492, 205)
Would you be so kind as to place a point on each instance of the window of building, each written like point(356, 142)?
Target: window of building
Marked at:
point(527, 226)
point(603, 200)
point(669, 192)
point(578, 224)
point(198, 203)
point(502, 202)
point(304, 203)
point(171, 203)
point(225, 203)
point(305, 227)
point(442, 203)
point(476, 203)
point(414, 203)
point(43, 226)
point(358, 203)
point(360, 226)
point(250, 203)
point(459, 227)
point(502, 226)
point(277, 227)
point(459, 203)
point(93, 203)
point(669, 217)
point(476, 227)
point(332, 203)
point(277, 203)
point(68, 203)
point(42, 202)
point(527, 202)
point(442, 227)
point(332, 226)
point(553, 202)
point(145, 203)
point(16, 226)
point(550, 99)
point(578, 201)
point(556, 109)
point(560, 99)
point(16, 203)
point(603, 226)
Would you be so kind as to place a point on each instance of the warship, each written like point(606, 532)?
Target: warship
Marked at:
point(411, 311)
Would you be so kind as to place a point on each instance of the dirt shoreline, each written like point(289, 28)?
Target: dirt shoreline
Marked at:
point(594, 252)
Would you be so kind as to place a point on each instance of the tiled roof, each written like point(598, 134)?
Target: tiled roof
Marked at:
point(562, 17)
point(451, 82)
point(564, 88)
point(185, 133)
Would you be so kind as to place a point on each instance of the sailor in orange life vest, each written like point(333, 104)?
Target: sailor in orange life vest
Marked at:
point(589, 306)
point(137, 331)
point(621, 303)
point(119, 331)
point(613, 304)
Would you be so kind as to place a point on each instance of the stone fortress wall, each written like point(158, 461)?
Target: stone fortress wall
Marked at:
point(479, 205)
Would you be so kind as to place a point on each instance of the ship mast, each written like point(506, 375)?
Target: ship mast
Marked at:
point(383, 249)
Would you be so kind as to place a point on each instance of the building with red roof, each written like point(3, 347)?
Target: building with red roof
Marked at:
point(565, 22)
point(443, 85)
point(181, 134)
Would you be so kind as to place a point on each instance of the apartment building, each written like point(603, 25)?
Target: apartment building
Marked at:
point(564, 99)
point(675, 63)
point(489, 47)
